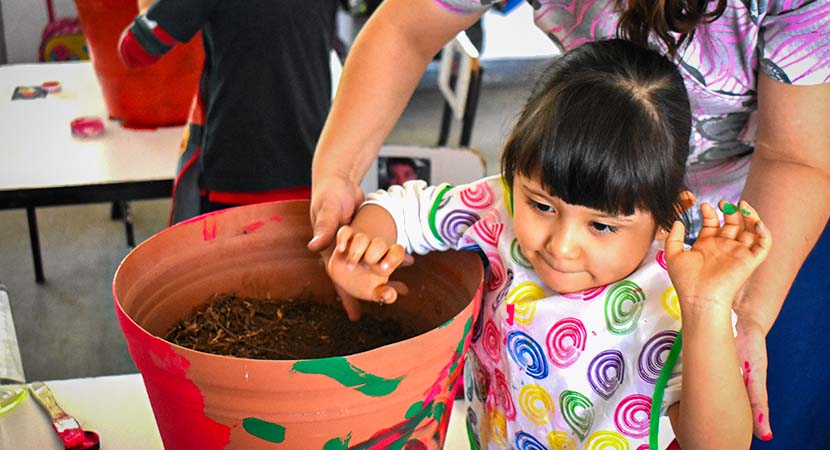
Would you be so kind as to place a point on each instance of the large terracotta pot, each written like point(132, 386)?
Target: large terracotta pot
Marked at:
point(157, 95)
point(398, 396)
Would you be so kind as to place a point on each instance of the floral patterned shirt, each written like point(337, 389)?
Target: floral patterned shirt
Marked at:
point(545, 370)
point(788, 39)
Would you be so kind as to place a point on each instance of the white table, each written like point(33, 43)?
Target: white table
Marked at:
point(43, 165)
point(117, 408)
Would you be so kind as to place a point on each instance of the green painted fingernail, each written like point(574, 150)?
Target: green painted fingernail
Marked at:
point(729, 208)
point(746, 212)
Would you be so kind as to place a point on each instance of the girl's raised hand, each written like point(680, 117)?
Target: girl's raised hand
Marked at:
point(361, 266)
point(722, 258)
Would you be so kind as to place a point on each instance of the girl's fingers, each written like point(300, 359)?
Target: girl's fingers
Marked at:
point(392, 259)
point(375, 251)
point(357, 249)
point(750, 218)
point(732, 221)
point(710, 221)
point(385, 294)
point(764, 241)
point(674, 242)
point(400, 287)
point(344, 234)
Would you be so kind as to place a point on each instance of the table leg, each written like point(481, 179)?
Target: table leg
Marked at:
point(128, 222)
point(35, 242)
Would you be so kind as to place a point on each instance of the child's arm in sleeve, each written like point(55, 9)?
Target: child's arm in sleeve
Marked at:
point(160, 28)
point(714, 410)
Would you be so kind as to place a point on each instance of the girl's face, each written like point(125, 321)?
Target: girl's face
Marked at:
point(572, 247)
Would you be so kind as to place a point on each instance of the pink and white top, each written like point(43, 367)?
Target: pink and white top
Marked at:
point(546, 370)
point(788, 39)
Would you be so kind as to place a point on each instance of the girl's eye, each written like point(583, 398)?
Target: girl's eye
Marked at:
point(603, 228)
point(541, 207)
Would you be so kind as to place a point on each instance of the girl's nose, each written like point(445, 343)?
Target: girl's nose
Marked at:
point(564, 242)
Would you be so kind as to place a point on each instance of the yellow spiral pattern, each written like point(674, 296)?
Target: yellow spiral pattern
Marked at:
point(607, 440)
point(523, 298)
point(671, 303)
point(560, 440)
point(498, 427)
point(536, 404)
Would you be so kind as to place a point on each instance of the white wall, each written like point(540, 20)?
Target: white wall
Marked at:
point(23, 24)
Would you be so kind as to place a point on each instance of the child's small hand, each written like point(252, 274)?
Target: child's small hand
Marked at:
point(361, 266)
point(722, 258)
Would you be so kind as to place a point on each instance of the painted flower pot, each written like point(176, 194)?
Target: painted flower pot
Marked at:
point(397, 396)
point(157, 95)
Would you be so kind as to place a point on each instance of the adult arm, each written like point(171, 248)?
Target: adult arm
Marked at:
point(789, 186)
point(382, 70)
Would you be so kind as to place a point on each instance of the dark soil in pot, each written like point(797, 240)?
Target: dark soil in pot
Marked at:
point(281, 329)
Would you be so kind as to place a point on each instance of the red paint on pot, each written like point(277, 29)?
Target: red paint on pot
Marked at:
point(400, 394)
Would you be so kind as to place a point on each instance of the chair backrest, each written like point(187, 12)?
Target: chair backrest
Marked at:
point(433, 164)
point(459, 79)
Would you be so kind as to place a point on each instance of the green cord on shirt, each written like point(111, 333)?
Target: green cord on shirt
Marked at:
point(660, 389)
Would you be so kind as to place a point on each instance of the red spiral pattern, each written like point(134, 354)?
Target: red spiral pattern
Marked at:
point(489, 228)
point(497, 274)
point(566, 341)
point(477, 196)
point(632, 415)
point(492, 341)
point(503, 397)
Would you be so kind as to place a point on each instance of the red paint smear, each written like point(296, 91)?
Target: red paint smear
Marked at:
point(767, 437)
point(177, 402)
point(251, 227)
point(673, 445)
point(760, 417)
point(276, 219)
point(208, 232)
point(747, 367)
point(511, 309)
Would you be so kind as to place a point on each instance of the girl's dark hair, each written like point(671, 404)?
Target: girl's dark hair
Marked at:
point(639, 18)
point(607, 127)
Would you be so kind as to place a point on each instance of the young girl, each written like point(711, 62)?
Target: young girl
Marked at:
point(581, 302)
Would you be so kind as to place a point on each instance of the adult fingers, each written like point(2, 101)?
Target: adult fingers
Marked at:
point(325, 221)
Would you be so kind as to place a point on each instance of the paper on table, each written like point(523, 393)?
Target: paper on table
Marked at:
point(11, 368)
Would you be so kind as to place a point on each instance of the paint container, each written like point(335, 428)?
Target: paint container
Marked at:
point(395, 396)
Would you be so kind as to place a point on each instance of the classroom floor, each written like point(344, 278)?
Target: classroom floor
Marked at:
point(66, 327)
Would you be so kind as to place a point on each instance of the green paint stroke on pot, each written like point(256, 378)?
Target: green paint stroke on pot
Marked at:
point(340, 370)
point(268, 431)
point(460, 349)
point(338, 444)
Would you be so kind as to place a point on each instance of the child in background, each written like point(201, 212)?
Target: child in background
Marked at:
point(582, 298)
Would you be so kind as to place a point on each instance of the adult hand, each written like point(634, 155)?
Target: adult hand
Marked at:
point(333, 202)
point(751, 344)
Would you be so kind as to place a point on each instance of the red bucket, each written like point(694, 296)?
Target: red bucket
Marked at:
point(158, 95)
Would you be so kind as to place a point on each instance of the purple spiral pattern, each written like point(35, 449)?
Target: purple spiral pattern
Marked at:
point(606, 373)
point(653, 355)
point(455, 223)
point(632, 415)
point(566, 341)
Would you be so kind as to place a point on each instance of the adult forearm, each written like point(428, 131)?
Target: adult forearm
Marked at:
point(793, 200)
point(381, 72)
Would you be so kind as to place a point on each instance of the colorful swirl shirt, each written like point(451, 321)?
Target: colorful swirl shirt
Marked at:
point(545, 370)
